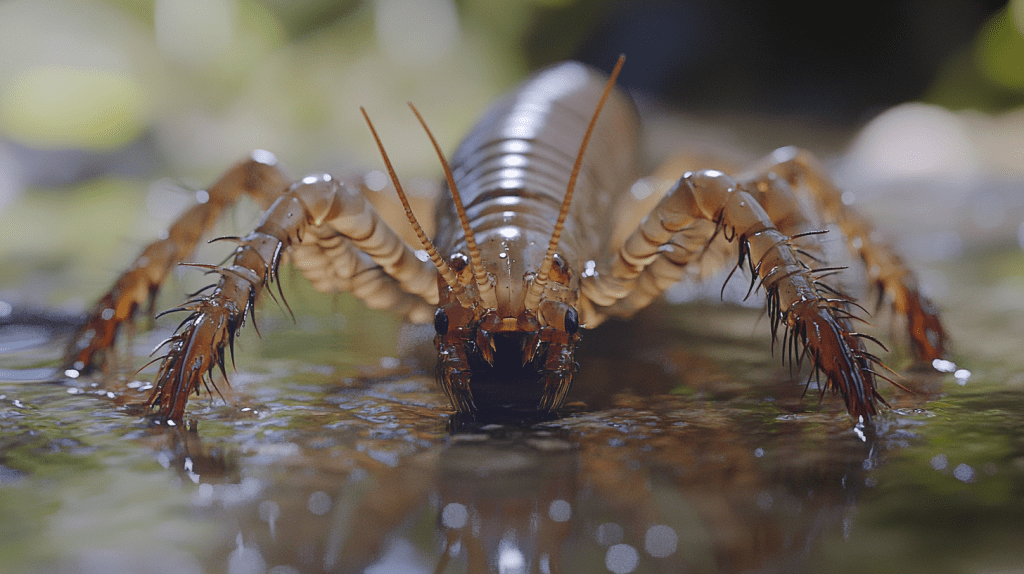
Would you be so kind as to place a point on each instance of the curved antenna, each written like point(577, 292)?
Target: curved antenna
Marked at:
point(483, 282)
point(536, 290)
point(442, 267)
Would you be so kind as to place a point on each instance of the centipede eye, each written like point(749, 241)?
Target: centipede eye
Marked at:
point(440, 322)
point(572, 321)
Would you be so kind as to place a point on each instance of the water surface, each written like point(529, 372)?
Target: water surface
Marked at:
point(687, 448)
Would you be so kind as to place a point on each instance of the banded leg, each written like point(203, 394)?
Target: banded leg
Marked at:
point(705, 204)
point(258, 177)
point(888, 272)
point(318, 211)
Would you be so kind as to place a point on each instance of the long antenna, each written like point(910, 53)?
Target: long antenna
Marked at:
point(483, 282)
point(442, 267)
point(536, 290)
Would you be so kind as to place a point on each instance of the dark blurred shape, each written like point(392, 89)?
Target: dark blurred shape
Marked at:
point(819, 59)
point(55, 168)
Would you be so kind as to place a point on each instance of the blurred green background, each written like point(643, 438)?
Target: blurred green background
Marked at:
point(197, 83)
point(102, 98)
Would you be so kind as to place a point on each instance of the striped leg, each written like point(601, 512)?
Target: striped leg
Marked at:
point(329, 225)
point(258, 177)
point(893, 278)
point(705, 204)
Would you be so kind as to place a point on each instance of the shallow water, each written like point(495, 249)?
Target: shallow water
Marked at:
point(687, 449)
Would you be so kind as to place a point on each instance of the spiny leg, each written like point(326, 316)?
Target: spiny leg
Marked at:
point(332, 264)
point(884, 267)
point(700, 251)
point(325, 216)
point(90, 347)
point(708, 204)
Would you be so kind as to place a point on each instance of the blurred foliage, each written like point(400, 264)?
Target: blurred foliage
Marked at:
point(211, 79)
point(124, 91)
point(1000, 47)
point(988, 75)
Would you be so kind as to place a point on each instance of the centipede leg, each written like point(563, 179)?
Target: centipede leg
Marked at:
point(89, 348)
point(334, 221)
point(706, 205)
point(895, 281)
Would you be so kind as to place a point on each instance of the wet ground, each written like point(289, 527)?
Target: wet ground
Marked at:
point(688, 449)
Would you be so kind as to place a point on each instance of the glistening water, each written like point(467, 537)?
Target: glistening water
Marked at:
point(689, 449)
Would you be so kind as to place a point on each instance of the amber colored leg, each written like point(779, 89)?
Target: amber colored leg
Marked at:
point(886, 269)
point(91, 345)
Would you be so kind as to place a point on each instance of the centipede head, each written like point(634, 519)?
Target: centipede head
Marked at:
point(513, 357)
point(489, 362)
point(507, 355)
point(492, 365)
point(495, 361)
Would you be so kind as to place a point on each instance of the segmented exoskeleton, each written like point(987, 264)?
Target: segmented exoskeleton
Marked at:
point(527, 253)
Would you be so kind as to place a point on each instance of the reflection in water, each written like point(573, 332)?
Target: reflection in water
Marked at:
point(695, 454)
point(655, 487)
point(369, 475)
point(506, 500)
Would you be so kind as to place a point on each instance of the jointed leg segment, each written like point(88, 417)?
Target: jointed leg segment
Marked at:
point(328, 228)
point(899, 285)
point(319, 208)
point(706, 203)
point(340, 243)
point(257, 178)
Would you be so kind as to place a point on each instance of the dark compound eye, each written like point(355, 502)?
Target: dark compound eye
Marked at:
point(441, 322)
point(559, 263)
point(458, 262)
point(572, 321)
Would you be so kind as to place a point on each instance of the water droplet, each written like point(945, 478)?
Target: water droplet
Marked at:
point(510, 557)
point(964, 473)
point(319, 503)
point(375, 180)
point(264, 156)
point(661, 541)
point(454, 515)
point(962, 376)
point(621, 559)
point(642, 188)
point(560, 511)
